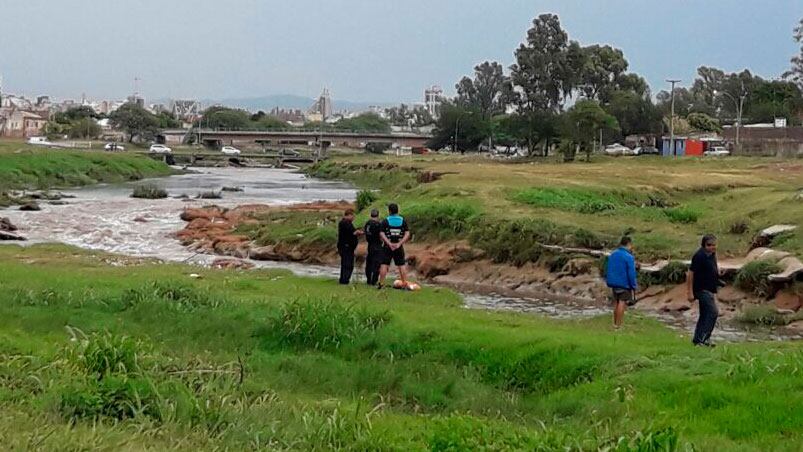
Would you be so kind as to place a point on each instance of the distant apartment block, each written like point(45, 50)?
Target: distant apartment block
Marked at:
point(433, 98)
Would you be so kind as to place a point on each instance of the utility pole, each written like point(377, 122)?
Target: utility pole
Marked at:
point(739, 109)
point(672, 120)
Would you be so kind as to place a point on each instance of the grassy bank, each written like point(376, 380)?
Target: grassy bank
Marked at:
point(143, 356)
point(30, 167)
point(665, 204)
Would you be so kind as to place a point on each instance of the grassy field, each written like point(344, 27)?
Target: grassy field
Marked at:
point(31, 167)
point(665, 204)
point(142, 356)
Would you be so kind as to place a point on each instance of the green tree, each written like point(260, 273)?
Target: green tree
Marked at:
point(74, 114)
point(602, 68)
point(84, 128)
point(459, 127)
point(167, 120)
point(489, 92)
point(581, 125)
point(366, 122)
point(703, 122)
point(635, 113)
point(548, 65)
point(135, 121)
point(795, 73)
point(226, 118)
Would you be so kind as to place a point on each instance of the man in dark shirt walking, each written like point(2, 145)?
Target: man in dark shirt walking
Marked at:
point(702, 282)
point(346, 245)
point(372, 230)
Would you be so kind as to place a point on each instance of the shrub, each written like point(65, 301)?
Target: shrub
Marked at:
point(210, 195)
point(440, 219)
point(377, 148)
point(663, 440)
point(517, 241)
point(673, 273)
point(149, 192)
point(181, 296)
point(754, 277)
point(364, 199)
point(322, 325)
point(578, 200)
point(739, 227)
point(763, 315)
point(684, 215)
point(462, 433)
point(106, 354)
point(118, 397)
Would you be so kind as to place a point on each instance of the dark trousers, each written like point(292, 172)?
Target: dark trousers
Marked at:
point(372, 263)
point(346, 264)
point(708, 317)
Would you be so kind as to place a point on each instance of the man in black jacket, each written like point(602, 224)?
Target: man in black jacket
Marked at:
point(702, 282)
point(373, 259)
point(346, 245)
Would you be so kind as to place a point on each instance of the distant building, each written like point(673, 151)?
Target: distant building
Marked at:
point(321, 110)
point(433, 98)
point(186, 110)
point(136, 100)
point(293, 116)
point(18, 123)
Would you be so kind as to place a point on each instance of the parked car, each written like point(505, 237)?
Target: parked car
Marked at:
point(160, 149)
point(618, 149)
point(114, 147)
point(289, 153)
point(230, 150)
point(717, 151)
point(647, 150)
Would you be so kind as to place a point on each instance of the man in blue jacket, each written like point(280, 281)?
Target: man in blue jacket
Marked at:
point(621, 278)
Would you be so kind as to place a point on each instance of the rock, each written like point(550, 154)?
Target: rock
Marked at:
point(231, 264)
point(580, 266)
point(797, 326)
point(232, 189)
point(10, 236)
point(652, 291)
point(792, 267)
point(140, 220)
point(195, 276)
point(430, 264)
point(788, 301)
point(208, 213)
point(58, 203)
point(264, 253)
point(731, 295)
point(6, 225)
point(765, 237)
point(30, 207)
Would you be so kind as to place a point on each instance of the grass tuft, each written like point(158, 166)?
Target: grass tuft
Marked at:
point(753, 277)
point(149, 191)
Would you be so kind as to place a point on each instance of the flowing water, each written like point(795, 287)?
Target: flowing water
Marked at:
point(105, 217)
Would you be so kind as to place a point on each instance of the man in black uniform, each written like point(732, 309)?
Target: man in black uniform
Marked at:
point(373, 259)
point(394, 235)
point(346, 245)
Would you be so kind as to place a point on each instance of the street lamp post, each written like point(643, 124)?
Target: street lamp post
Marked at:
point(739, 109)
point(672, 120)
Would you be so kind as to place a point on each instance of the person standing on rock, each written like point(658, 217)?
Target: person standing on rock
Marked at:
point(346, 245)
point(621, 278)
point(394, 234)
point(373, 259)
point(702, 282)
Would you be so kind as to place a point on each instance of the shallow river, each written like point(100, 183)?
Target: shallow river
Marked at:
point(103, 217)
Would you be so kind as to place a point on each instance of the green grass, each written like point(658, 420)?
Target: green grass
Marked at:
point(149, 191)
point(24, 166)
point(144, 357)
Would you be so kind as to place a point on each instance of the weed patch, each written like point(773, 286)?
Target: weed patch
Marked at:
point(178, 296)
point(753, 277)
point(322, 325)
point(682, 215)
point(149, 192)
point(441, 219)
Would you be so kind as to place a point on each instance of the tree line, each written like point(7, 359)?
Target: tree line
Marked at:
point(561, 95)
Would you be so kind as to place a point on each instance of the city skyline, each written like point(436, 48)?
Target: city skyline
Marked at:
point(364, 52)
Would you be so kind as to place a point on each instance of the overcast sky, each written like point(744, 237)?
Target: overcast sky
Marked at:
point(363, 50)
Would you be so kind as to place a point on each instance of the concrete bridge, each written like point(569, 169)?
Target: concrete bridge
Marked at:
point(291, 138)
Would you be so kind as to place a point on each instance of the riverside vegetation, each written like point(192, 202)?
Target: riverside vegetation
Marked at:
point(140, 355)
